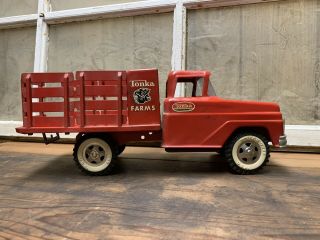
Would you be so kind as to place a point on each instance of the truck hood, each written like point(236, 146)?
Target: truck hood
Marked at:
point(220, 105)
point(245, 106)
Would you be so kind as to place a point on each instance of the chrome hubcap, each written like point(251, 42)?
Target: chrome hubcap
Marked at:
point(249, 152)
point(95, 154)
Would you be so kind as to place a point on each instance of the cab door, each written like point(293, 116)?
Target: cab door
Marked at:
point(188, 121)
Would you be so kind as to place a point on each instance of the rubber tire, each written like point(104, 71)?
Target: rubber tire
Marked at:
point(233, 166)
point(121, 148)
point(105, 171)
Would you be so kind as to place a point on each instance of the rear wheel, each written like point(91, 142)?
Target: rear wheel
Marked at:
point(95, 155)
point(247, 153)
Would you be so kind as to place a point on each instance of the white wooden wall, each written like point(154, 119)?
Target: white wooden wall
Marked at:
point(305, 135)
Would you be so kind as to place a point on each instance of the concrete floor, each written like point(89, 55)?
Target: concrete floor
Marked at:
point(155, 195)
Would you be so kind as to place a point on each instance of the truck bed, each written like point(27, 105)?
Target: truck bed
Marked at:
point(90, 101)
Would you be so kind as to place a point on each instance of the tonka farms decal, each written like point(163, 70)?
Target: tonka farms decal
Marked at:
point(183, 107)
point(142, 95)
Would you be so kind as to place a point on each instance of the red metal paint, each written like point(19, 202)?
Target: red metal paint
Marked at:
point(126, 105)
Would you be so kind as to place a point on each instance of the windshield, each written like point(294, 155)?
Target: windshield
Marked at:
point(211, 91)
point(200, 82)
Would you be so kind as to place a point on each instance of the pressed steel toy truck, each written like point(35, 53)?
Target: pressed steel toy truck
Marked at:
point(109, 109)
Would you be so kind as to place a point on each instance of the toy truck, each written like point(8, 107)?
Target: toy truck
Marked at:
point(110, 109)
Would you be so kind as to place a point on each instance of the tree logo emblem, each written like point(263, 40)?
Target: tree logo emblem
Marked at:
point(142, 95)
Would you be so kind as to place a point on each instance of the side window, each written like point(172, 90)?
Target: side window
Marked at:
point(184, 89)
point(199, 87)
point(191, 87)
point(179, 90)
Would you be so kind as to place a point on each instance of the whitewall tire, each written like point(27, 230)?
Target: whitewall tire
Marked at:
point(94, 155)
point(246, 153)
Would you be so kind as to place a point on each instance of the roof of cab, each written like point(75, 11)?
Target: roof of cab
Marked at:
point(188, 73)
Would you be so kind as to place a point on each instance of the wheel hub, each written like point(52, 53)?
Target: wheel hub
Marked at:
point(249, 152)
point(94, 154)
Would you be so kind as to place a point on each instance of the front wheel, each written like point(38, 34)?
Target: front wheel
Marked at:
point(247, 153)
point(94, 155)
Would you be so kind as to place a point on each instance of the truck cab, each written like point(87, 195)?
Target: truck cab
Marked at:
point(202, 121)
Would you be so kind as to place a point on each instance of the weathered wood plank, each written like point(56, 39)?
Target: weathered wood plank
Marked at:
point(155, 195)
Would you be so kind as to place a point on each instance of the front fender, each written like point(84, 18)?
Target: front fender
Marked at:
point(219, 137)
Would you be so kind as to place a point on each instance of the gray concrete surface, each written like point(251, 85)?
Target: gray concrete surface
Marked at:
point(16, 56)
point(267, 52)
point(155, 195)
point(118, 43)
point(17, 7)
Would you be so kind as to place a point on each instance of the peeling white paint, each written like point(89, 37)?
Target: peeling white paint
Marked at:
point(178, 60)
point(18, 21)
point(42, 38)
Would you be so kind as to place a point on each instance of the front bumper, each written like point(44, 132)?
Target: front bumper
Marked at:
point(283, 141)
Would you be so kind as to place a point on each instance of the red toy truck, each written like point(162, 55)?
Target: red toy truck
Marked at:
point(109, 109)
